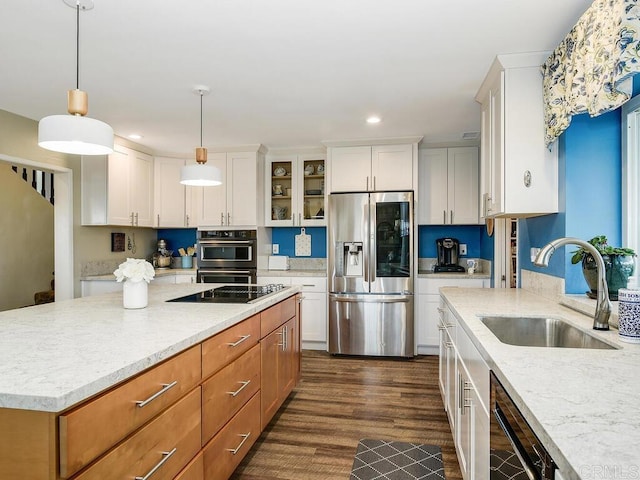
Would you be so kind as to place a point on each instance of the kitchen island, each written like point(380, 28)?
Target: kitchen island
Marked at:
point(581, 403)
point(57, 358)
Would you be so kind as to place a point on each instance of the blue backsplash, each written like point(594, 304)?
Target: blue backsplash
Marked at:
point(178, 238)
point(285, 238)
point(472, 235)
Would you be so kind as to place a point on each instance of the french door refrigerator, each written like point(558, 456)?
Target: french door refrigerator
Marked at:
point(370, 257)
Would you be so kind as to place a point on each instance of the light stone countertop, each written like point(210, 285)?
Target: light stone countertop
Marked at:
point(160, 272)
point(582, 403)
point(56, 355)
point(432, 274)
point(292, 273)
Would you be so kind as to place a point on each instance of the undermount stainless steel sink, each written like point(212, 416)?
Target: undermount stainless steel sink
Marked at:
point(541, 332)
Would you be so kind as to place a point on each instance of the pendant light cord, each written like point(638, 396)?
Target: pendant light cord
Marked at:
point(78, 45)
point(201, 95)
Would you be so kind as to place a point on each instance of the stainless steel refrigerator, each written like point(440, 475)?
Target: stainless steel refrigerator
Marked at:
point(370, 255)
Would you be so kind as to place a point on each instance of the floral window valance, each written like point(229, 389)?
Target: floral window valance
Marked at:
point(590, 71)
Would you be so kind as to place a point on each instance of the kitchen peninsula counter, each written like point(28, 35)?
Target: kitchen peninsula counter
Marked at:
point(56, 355)
point(582, 403)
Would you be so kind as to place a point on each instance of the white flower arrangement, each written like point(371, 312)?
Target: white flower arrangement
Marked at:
point(136, 270)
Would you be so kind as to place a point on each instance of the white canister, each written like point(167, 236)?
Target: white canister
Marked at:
point(629, 315)
point(135, 294)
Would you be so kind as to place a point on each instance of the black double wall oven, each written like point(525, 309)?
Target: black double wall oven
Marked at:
point(227, 256)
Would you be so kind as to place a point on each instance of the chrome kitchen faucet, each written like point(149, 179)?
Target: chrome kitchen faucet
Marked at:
point(603, 305)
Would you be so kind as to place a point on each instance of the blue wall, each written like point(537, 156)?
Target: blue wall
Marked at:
point(178, 238)
point(590, 188)
point(285, 238)
point(472, 235)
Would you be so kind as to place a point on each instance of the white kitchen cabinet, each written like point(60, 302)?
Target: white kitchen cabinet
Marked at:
point(173, 203)
point(518, 174)
point(448, 186)
point(314, 325)
point(237, 202)
point(117, 189)
point(361, 168)
point(98, 287)
point(427, 308)
point(464, 384)
point(297, 196)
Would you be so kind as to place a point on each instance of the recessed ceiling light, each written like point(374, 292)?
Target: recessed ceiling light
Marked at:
point(373, 119)
point(135, 136)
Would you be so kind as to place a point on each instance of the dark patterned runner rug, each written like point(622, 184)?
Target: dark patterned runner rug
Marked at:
point(380, 460)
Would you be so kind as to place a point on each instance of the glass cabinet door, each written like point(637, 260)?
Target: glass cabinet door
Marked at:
point(281, 192)
point(393, 239)
point(312, 209)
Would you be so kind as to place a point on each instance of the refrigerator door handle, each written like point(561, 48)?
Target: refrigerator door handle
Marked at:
point(365, 246)
point(376, 299)
point(372, 241)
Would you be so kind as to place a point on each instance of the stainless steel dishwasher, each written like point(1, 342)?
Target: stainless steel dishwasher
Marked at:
point(516, 452)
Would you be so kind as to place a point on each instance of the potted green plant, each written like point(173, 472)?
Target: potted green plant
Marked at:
point(618, 261)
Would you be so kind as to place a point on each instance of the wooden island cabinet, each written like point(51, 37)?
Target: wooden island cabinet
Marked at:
point(193, 416)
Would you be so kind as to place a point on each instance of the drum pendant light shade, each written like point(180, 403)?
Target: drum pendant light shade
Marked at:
point(200, 174)
point(75, 134)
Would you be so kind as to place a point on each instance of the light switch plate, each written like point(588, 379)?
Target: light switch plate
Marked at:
point(275, 249)
point(463, 249)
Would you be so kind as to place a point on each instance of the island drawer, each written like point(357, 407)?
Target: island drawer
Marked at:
point(193, 471)
point(225, 451)
point(162, 448)
point(97, 425)
point(276, 315)
point(229, 344)
point(224, 394)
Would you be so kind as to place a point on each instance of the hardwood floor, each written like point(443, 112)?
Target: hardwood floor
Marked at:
point(341, 400)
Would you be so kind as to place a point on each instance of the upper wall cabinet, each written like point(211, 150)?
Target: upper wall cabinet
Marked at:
point(295, 190)
point(518, 174)
point(117, 189)
point(173, 203)
point(238, 201)
point(448, 186)
point(363, 168)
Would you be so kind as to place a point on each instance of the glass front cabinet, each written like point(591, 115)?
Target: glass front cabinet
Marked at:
point(295, 193)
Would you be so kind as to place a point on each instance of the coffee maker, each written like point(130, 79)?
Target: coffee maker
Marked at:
point(448, 254)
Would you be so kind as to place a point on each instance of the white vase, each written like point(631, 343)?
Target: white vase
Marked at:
point(135, 294)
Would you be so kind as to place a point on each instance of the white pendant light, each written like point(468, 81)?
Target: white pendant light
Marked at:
point(75, 133)
point(200, 174)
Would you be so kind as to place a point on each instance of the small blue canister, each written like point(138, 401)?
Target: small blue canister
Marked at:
point(187, 261)
point(629, 315)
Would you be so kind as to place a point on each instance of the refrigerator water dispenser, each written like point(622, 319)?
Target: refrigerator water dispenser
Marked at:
point(353, 259)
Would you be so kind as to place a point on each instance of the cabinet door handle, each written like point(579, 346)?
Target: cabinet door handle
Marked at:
point(244, 385)
point(451, 217)
point(131, 216)
point(367, 188)
point(165, 388)
point(228, 218)
point(244, 439)
point(444, 216)
point(158, 219)
point(242, 339)
point(299, 219)
point(221, 218)
point(136, 219)
point(374, 182)
point(187, 216)
point(165, 457)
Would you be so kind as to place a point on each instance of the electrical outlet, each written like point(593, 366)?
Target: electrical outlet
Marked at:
point(463, 249)
point(275, 249)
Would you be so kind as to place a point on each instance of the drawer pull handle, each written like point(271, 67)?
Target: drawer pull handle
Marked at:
point(242, 339)
point(165, 387)
point(165, 457)
point(244, 384)
point(244, 439)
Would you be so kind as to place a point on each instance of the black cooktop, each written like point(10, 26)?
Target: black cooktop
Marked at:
point(231, 294)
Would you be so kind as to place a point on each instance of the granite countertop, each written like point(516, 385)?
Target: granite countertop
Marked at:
point(56, 355)
point(160, 272)
point(431, 274)
point(292, 273)
point(582, 403)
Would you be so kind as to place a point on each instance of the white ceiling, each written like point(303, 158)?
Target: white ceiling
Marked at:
point(282, 72)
